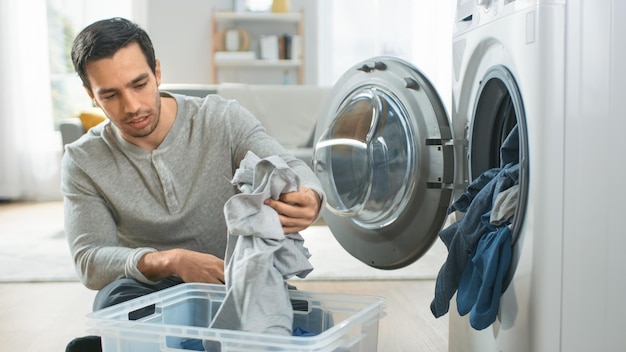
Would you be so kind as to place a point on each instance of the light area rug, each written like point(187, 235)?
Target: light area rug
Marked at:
point(34, 248)
point(332, 262)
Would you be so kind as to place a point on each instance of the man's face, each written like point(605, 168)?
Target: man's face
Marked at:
point(127, 91)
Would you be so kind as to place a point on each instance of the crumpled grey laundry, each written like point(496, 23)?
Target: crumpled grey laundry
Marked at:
point(259, 257)
point(505, 206)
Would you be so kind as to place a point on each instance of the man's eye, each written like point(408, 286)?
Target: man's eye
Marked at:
point(108, 97)
point(141, 85)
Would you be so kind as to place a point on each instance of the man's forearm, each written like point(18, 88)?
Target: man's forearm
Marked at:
point(157, 265)
point(190, 266)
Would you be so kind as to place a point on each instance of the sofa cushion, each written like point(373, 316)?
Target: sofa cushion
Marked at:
point(91, 117)
point(289, 113)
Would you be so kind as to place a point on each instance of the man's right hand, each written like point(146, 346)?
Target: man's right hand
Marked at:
point(190, 266)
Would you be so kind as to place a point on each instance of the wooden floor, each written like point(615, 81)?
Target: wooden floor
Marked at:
point(46, 316)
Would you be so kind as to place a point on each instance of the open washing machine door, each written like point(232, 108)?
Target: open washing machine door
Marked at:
point(384, 156)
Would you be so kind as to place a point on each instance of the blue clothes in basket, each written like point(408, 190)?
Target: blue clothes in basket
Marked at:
point(197, 345)
point(479, 252)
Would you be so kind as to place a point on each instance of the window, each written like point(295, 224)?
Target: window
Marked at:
point(65, 20)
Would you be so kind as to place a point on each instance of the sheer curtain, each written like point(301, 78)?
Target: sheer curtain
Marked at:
point(419, 31)
point(30, 147)
point(30, 150)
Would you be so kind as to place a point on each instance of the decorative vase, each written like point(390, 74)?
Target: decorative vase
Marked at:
point(280, 6)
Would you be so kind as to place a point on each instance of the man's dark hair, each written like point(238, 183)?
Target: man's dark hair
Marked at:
point(102, 39)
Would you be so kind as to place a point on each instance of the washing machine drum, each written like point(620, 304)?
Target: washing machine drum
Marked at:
point(383, 156)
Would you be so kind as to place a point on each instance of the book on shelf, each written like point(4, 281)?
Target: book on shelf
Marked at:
point(283, 47)
point(295, 48)
point(269, 47)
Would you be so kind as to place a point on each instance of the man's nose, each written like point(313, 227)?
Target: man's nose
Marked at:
point(131, 103)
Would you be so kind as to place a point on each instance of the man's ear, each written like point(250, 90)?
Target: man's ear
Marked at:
point(91, 96)
point(157, 72)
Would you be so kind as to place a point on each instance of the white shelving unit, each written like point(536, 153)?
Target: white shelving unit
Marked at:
point(292, 17)
point(257, 70)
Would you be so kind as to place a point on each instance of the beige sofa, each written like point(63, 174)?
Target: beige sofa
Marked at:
point(288, 112)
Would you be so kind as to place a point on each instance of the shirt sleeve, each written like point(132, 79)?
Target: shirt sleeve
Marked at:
point(92, 233)
point(248, 134)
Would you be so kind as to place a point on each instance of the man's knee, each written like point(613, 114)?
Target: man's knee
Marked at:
point(125, 289)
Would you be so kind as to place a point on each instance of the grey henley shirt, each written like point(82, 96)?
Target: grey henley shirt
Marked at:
point(122, 202)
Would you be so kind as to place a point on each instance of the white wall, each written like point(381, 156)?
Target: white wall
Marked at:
point(181, 35)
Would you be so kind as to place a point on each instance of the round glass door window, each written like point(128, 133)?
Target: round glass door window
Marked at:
point(382, 156)
point(366, 159)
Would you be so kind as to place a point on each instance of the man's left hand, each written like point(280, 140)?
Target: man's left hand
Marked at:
point(296, 210)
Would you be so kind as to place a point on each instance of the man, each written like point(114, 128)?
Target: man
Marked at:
point(144, 192)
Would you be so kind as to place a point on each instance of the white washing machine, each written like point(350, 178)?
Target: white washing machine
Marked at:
point(392, 162)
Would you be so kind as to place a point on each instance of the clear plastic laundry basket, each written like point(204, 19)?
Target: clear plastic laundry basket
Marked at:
point(177, 319)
